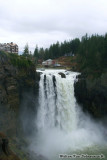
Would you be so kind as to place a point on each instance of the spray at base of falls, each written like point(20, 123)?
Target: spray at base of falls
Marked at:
point(61, 126)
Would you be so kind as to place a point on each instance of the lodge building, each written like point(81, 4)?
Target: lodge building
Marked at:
point(9, 47)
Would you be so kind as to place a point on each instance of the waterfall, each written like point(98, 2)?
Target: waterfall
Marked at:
point(57, 104)
point(61, 126)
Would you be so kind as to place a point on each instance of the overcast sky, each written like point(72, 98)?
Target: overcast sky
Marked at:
point(44, 22)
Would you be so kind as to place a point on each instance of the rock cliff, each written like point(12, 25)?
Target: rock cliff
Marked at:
point(91, 93)
point(16, 83)
point(5, 151)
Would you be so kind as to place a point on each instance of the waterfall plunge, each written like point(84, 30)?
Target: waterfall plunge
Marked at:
point(61, 126)
point(56, 102)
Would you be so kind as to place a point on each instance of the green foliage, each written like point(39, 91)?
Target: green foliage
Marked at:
point(27, 53)
point(16, 60)
point(36, 52)
point(2, 53)
point(20, 61)
point(26, 50)
point(92, 53)
point(57, 50)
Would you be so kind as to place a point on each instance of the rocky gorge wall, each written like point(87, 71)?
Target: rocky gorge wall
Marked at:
point(16, 84)
point(91, 94)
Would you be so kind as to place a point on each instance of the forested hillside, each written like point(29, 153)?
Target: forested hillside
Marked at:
point(58, 49)
point(90, 52)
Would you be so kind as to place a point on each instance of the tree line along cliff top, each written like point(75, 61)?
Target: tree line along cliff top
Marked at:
point(88, 54)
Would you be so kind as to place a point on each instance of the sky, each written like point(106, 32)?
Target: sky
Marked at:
point(44, 22)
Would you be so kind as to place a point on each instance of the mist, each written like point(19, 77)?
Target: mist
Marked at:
point(89, 136)
point(52, 142)
point(28, 112)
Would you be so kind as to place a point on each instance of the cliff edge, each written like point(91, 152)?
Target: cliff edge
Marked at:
point(18, 78)
point(91, 94)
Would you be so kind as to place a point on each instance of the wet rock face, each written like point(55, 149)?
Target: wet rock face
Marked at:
point(92, 95)
point(2, 95)
point(8, 83)
point(14, 82)
point(5, 152)
point(3, 145)
point(62, 75)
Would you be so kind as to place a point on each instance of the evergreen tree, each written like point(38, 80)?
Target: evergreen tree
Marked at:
point(36, 52)
point(90, 52)
point(26, 50)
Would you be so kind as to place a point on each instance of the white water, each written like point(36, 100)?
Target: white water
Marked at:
point(56, 103)
point(61, 126)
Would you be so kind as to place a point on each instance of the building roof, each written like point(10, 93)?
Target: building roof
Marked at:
point(49, 60)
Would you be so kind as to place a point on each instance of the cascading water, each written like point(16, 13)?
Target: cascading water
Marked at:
point(56, 102)
point(61, 127)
